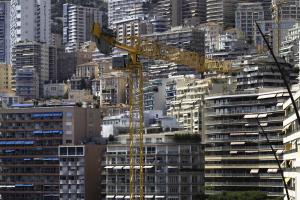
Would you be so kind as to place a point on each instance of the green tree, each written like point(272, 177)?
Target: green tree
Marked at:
point(250, 195)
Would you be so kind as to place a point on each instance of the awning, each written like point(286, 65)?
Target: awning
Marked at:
point(287, 180)
point(237, 133)
point(279, 94)
point(233, 152)
point(126, 167)
point(172, 167)
point(236, 143)
point(118, 167)
point(149, 196)
point(262, 115)
point(254, 171)
point(251, 151)
point(253, 116)
point(279, 151)
point(110, 196)
point(255, 133)
point(159, 197)
point(264, 124)
point(283, 164)
point(119, 197)
point(148, 167)
point(7, 186)
point(272, 170)
point(108, 167)
point(287, 126)
point(266, 96)
point(136, 167)
point(279, 104)
point(127, 197)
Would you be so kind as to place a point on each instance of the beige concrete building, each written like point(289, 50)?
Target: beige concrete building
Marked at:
point(5, 78)
point(29, 141)
point(87, 70)
point(56, 90)
point(80, 95)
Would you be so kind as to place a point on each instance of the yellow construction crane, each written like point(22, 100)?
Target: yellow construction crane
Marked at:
point(150, 50)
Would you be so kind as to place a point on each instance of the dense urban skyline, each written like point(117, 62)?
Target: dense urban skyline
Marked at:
point(203, 114)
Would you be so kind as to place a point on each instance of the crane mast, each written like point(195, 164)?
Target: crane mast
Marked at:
point(151, 50)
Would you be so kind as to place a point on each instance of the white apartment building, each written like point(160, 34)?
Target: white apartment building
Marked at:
point(291, 159)
point(245, 16)
point(78, 21)
point(30, 20)
point(5, 32)
point(124, 9)
point(129, 27)
point(290, 46)
point(187, 102)
point(237, 154)
point(212, 31)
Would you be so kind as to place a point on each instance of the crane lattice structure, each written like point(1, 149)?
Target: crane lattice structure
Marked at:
point(155, 51)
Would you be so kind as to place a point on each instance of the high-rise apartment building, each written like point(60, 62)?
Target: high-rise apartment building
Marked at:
point(162, 69)
point(5, 32)
point(172, 166)
point(187, 103)
point(212, 32)
point(125, 9)
point(262, 72)
point(129, 28)
point(289, 9)
point(29, 140)
point(246, 15)
point(80, 171)
point(77, 24)
point(237, 154)
point(221, 12)
point(67, 62)
point(188, 12)
point(26, 82)
point(53, 51)
point(30, 20)
point(291, 164)
point(31, 54)
point(290, 45)
point(155, 95)
point(188, 38)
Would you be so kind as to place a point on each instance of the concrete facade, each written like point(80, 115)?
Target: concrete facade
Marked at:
point(80, 171)
point(29, 141)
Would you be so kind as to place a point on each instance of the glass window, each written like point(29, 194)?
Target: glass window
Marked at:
point(71, 151)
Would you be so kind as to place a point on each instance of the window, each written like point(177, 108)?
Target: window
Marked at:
point(79, 150)
point(71, 151)
point(63, 151)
